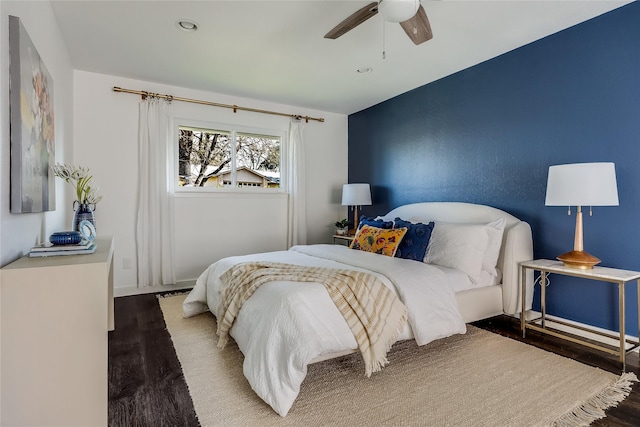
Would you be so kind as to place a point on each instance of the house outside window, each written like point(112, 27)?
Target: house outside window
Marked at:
point(212, 157)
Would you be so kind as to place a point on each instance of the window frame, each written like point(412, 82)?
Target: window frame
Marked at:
point(233, 129)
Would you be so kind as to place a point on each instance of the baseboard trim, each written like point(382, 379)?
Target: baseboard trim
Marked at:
point(134, 290)
point(531, 314)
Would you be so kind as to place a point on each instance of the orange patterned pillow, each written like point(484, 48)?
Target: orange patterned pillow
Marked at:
point(378, 240)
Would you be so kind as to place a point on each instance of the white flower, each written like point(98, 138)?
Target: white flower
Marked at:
point(80, 178)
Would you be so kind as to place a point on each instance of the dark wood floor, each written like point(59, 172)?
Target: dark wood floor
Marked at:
point(147, 388)
point(146, 385)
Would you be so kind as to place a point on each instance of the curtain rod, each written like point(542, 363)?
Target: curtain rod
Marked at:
point(235, 108)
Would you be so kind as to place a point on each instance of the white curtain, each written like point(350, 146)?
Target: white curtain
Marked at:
point(297, 232)
point(154, 225)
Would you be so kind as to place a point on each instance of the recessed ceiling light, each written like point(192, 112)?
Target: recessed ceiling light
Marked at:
point(364, 70)
point(187, 25)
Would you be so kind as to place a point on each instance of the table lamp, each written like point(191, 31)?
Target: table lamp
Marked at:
point(356, 195)
point(581, 184)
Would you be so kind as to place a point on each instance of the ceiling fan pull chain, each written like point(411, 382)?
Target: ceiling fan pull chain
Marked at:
point(384, 41)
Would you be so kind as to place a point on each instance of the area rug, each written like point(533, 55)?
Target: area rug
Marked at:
point(476, 379)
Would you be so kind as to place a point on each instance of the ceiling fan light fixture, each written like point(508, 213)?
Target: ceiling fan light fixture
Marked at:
point(398, 10)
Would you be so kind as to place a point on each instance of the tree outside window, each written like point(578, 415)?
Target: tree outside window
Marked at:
point(226, 158)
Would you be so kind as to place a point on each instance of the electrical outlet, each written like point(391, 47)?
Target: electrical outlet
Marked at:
point(126, 263)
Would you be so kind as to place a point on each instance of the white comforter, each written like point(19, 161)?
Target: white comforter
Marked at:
point(285, 325)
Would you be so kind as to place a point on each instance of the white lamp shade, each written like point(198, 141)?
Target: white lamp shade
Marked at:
point(356, 195)
point(582, 184)
point(398, 10)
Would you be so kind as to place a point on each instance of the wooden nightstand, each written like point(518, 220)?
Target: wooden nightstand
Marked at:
point(343, 239)
point(602, 274)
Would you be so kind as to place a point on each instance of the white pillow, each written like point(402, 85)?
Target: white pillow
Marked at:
point(459, 246)
point(486, 279)
point(495, 229)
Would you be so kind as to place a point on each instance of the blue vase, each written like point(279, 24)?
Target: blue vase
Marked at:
point(83, 211)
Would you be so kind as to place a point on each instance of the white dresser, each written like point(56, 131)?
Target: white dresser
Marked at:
point(54, 318)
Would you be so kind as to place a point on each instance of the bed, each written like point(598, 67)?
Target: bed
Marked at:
point(283, 326)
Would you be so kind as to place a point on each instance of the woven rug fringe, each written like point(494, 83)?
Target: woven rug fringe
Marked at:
point(169, 294)
point(594, 408)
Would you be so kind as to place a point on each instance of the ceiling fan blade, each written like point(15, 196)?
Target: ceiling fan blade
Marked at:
point(418, 28)
point(353, 21)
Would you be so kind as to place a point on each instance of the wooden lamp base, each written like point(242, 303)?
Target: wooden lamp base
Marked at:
point(356, 221)
point(579, 259)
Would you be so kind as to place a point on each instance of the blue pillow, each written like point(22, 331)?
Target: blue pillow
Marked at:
point(414, 244)
point(372, 222)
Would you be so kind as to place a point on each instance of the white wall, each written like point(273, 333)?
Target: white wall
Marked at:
point(19, 232)
point(207, 229)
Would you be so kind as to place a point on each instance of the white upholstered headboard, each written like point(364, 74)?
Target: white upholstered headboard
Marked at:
point(517, 243)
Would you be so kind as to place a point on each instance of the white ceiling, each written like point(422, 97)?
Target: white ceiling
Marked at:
point(275, 50)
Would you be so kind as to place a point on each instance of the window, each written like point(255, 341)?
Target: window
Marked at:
point(219, 157)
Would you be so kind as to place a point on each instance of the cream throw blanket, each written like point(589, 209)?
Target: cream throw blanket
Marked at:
point(373, 312)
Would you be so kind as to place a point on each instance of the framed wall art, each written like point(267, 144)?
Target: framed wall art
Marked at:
point(32, 125)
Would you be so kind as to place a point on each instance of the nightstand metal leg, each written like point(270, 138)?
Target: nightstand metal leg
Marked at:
point(623, 337)
point(638, 313)
point(543, 296)
point(523, 297)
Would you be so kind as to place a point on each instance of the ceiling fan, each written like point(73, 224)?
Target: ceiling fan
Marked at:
point(409, 13)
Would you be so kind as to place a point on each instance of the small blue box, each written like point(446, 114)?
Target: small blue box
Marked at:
point(65, 238)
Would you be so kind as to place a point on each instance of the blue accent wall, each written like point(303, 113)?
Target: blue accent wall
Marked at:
point(488, 135)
